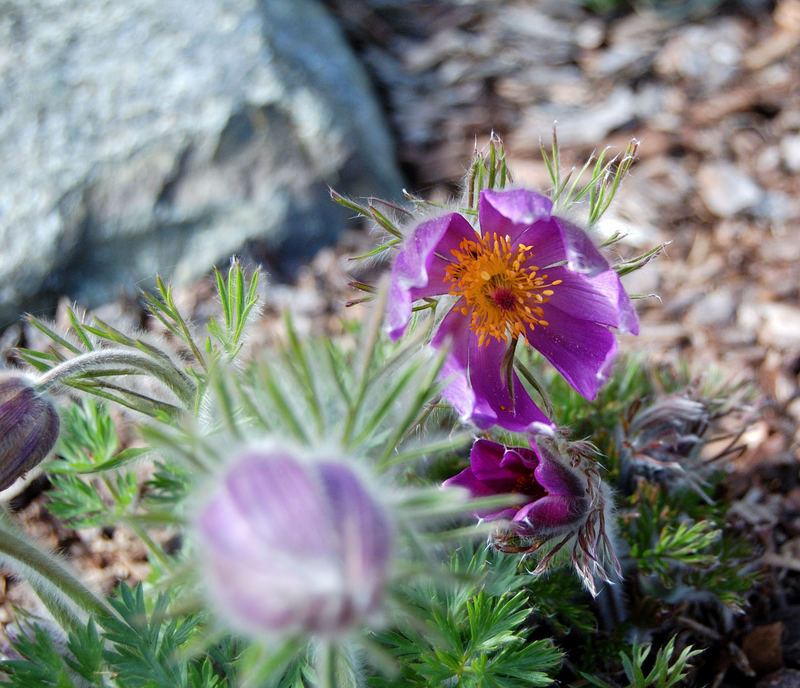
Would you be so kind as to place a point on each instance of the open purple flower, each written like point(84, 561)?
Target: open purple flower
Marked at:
point(526, 275)
point(555, 499)
point(292, 545)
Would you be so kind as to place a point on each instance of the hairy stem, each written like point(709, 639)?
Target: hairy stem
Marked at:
point(59, 589)
point(162, 370)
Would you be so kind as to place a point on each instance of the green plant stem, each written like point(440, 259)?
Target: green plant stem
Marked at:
point(49, 577)
point(154, 548)
point(369, 344)
point(173, 378)
point(326, 667)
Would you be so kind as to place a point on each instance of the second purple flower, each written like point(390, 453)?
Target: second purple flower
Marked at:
point(526, 275)
point(555, 499)
point(564, 506)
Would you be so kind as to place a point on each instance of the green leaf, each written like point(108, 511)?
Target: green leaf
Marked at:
point(470, 628)
point(43, 665)
point(57, 338)
point(146, 645)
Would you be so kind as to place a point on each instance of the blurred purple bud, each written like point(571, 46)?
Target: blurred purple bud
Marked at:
point(29, 427)
point(293, 545)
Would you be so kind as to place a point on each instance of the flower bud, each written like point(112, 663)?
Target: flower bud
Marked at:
point(293, 545)
point(29, 427)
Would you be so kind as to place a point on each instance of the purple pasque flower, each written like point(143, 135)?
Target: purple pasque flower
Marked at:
point(554, 497)
point(525, 274)
point(29, 426)
point(293, 545)
point(565, 506)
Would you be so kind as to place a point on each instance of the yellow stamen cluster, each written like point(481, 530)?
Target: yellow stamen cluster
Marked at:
point(502, 293)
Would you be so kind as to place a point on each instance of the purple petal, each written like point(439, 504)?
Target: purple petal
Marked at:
point(262, 499)
point(582, 254)
point(525, 459)
point(547, 241)
point(16, 401)
point(29, 427)
point(419, 266)
point(511, 212)
point(550, 514)
point(599, 299)
point(479, 488)
point(271, 595)
point(363, 531)
point(477, 386)
point(557, 479)
point(497, 468)
point(628, 320)
point(582, 351)
point(485, 456)
point(454, 332)
point(467, 479)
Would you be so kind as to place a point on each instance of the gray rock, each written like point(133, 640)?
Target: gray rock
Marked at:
point(707, 54)
point(158, 135)
point(715, 309)
point(778, 207)
point(578, 125)
point(727, 190)
point(790, 152)
point(624, 61)
point(775, 324)
point(530, 36)
point(633, 43)
point(589, 34)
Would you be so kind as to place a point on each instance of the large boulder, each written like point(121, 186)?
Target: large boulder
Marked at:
point(144, 136)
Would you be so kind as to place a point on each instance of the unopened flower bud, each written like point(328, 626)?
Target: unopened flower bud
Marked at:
point(293, 545)
point(29, 427)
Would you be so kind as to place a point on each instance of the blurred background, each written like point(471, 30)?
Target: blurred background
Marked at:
point(161, 136)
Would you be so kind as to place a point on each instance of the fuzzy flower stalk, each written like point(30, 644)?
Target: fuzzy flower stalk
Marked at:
point(563, 506)
point(29, 422)
point(519, 274)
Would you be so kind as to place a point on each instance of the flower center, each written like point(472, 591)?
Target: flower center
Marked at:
point(528, 485)
point(502, 292)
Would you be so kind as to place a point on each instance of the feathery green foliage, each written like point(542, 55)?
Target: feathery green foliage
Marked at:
point(665, 671)
point(473, 633)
